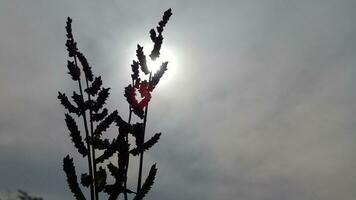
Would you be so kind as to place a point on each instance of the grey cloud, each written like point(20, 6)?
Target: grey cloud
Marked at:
point(263, 107)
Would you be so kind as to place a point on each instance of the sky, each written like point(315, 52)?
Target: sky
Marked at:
point(258, 103)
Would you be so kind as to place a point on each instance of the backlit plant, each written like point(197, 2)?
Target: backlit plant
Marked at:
point(88, 105)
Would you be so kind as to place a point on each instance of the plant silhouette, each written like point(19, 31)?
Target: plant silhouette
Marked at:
point(88, 105)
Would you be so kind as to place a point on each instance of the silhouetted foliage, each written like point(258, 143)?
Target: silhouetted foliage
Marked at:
point(158, 39)
point(75, 135)
point(68, 167)
point(89, 106)
point(147, 145)
point(148, 183)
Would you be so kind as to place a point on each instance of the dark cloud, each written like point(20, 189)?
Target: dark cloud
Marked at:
point(261, 105)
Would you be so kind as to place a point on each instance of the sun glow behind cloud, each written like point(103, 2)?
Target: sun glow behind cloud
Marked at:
point(167, 53)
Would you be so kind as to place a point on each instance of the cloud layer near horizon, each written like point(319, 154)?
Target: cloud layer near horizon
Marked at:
point(262, 105)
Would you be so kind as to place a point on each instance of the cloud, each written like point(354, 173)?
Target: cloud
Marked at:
point(262, 106)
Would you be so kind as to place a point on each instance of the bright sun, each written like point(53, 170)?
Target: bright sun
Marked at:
point(166, 54)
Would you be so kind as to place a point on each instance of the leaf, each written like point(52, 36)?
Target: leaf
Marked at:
point(74, 71)
point(119, 144)
point(98, 143)
point(69, 169)
point(142, 59)
point(75, 135)
point(137, 132)
point(95, 86)
point(147, 145)
point(146, 187)
point(79, 101)
point(113, 169)
point(158, 75)
point(155, 53)
point(66, 103)
point(123, 124)
point(103, 125)
point(153, 35)
point(85, 180)
point(166, 15)
point(114, 190)
point(131, 99)
point(99, 116)
point(70, 44)
point(86, 68)
point(101, 179)
point(157, 40)
point(69, 28)
point(135, 71)
point(145, 89)
point(101, 99)
point(113, 147)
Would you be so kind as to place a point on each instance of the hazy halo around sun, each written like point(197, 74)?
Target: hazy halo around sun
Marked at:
point(167, 53)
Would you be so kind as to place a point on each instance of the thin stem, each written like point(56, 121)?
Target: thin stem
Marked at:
point(128, 159)
point(143, 141)
point(92, 149)
point(87, 136)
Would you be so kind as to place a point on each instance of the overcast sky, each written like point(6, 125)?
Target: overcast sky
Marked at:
point(259, 101)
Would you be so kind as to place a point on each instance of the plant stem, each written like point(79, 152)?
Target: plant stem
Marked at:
point(128, 159)
point(143, 141)
point(93, 149)
point(87, 136)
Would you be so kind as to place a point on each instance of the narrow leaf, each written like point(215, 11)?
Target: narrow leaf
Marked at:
point(75, 135)
point(166, 15)
point(70, 44)
point(153, 35)
point(79, 101)
point(157, 40)
point(86, 68)
point(100, 116)
point(113, 169)
point(95, 86)
point(85, 180)
point(66, 103)
point(103, 125)
point(142, 59)
point(146, 187)
point(123, 124)
point(101, 99)
point(147, 145)
point(74, 71)
point(114, 190)
point(130, 95)
point(98, 143)
point(69, 169)
point(135, 71)
point(108, 152)
point(158, 75)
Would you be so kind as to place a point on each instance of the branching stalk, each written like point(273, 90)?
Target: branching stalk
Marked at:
point(92, 149)
point(127, 139)
point(101, 168)
point(90, 165)
point(143, 141)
